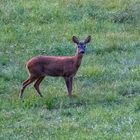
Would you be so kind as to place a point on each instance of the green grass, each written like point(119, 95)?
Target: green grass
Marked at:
point(106, 95)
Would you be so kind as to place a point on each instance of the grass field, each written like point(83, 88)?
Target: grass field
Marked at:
point(106, 101)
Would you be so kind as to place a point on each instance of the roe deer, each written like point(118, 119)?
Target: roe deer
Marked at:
point(64, 66)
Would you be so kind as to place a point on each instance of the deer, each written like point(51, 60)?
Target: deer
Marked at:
point(63, 66)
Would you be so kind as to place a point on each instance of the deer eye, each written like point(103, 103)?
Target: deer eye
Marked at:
point(83, 46)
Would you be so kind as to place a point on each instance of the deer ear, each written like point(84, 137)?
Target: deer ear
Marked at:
point(75, 39)
point(87, 40)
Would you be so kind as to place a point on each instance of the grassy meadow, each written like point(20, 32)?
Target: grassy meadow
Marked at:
point(106, 101)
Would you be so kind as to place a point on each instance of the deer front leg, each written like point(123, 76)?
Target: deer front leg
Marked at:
point(68, 81)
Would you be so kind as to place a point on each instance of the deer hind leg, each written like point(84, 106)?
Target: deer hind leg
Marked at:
point(25, 84)
point(37, 83)
point(68, 81)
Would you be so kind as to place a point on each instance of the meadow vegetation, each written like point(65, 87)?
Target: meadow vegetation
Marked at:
point(106, 95)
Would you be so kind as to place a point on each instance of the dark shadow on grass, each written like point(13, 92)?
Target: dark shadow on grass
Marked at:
point(63, 102)
point(50, 102)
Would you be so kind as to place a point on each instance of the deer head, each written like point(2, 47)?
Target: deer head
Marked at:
point(81, 45)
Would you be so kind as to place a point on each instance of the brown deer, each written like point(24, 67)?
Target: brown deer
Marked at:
point(64, 66)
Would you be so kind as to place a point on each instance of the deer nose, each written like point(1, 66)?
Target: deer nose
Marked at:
point(82, 51)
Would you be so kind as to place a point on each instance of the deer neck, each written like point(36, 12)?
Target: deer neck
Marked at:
point(78, 57)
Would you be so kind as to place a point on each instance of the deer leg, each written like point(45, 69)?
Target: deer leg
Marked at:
point(25, 84)
point(37, 83)
point(68, 81)
point(26, 81)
